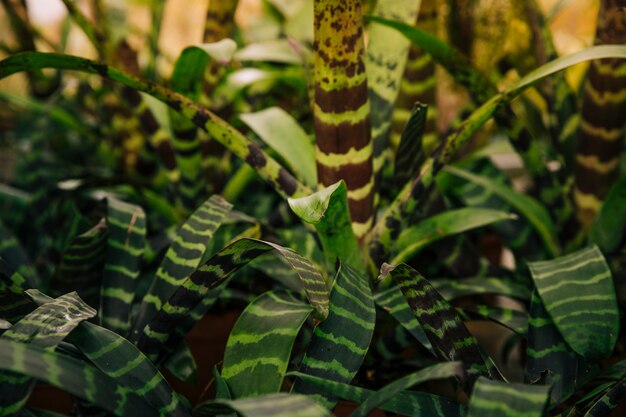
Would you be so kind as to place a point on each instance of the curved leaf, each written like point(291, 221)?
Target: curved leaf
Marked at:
point(182, 258)
point(189, 302)
point(439, 226)
point(327, 209)
point(340, 343)
point(407, 403)
point(281, 132)
point(525, 205)
point(439, 371)
point(499, 399)
point(259, 346)
point(273, 405)
point(578, 293)
point(410, 156)
point(609, 228)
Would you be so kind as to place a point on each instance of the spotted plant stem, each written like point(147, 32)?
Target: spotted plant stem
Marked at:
point(342, 109)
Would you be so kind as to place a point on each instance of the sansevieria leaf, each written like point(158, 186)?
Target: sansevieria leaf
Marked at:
point(499, 399)
point(259, 346)
point(578, 293)
point(340, 343)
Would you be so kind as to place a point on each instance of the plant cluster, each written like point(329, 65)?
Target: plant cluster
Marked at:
point(296, 174)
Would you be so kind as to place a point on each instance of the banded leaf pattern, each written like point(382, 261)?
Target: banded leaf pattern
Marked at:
point(497, 399)
point(273, 405)
point(385, 60)
point(577, 291)
point(182, 258)
point(77, 378)
point(259, 346)
point(172, 322)
point(601, 136)
point(82, 263)
point(11, 251)
point(45, 327)
point(410, 156)
point(125, 245)
point(340, 343)
point(438, 371)
point(442, 325)
point(407, 403)
point(342, 109)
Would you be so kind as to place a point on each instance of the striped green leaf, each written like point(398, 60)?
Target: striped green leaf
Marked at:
point(11, 280)
point(327, 209)
point(455, 289)
point(273, 405)
point(578, 293)
point(499, 399)
point(12, 252)
point(548, 357)
point(125, 245)
point(385, 59)
point(77, 378)
point(259, 346)
point(45, 327)
point(406, 402)
point(189, 302)
point(340, 343)
point(82, 264)
point(393, 302)
point(181, 259)
point(609, 228)
point(283, 134)
point(131, 370)
point(439, 371)
point(439, 226)
point(181, 363)
point(515, 320)
point(525, 205)
point(410, 156)
point(443, 327)
point(609, 401)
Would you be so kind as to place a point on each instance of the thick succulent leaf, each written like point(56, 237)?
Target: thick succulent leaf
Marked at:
point(281, 132)
point(12, 252)
point(181, 363)
point(340, 343)
point(410, 156)
point(549, 358)
point(392, 301)
point(578, 293)
point(182, 258)
point(609, 228)
point(81, 265)
point(439, 226)
point(11, 280)
point(125, 245)
point(525, 205)
point(72, 375)
point(439, 371)
point(132, 370)
point(273, 405)
point(259, 346)
point(189, 302)
point(45, 327)
point(385, 59)
point(327, 209)
point(443, 327)
point(407, 403)
point(499, 399)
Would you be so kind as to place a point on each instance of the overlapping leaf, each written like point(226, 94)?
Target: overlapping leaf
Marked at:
point(578, 293)
point(499, 399)
point(340, 343)
point(410, 156)
point(172, 322)
point(273, 405)
point(259, 346)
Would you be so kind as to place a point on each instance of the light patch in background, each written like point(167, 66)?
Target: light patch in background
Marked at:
point(45, 12)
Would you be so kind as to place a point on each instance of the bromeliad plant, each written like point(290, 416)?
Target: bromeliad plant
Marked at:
point(349, 313)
